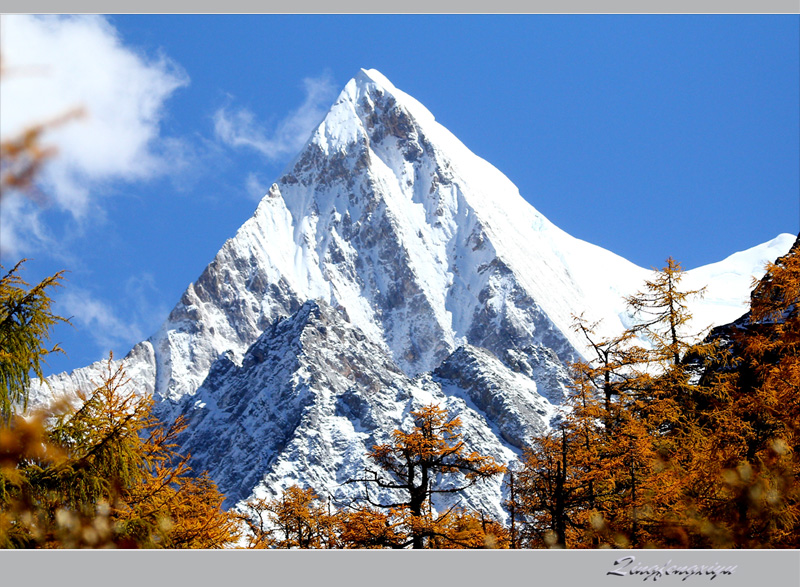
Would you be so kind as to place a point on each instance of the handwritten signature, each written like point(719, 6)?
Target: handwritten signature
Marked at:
point(630, 568)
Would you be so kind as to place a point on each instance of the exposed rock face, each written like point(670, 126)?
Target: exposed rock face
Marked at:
point(511, 401)
point(314, 394)
point(387, 268)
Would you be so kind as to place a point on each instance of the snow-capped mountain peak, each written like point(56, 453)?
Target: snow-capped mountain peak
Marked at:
point(387, 266)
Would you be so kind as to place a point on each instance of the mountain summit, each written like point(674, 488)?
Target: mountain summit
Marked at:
point(387, 267)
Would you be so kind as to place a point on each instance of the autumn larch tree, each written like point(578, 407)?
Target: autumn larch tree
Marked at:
point(369, 527)
point(567, 488)
point(663, 312)
point(609, 370)
point(414, 463)
point(722, 418)
point(105, 474)
point(750, 495)
point(295, 519)
point(545, 490)
point(612, 472)
point(662, 443)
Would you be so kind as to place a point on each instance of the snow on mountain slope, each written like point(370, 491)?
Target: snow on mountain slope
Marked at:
point(728, 283)
point(314, 394)
point(427, 246)
point(432, 278)
point(518, 406)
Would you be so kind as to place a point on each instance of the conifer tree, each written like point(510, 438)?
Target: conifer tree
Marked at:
point(664, 442)
point(546, 490)
point(664, 313)
point(296, 519)
point(414, 464)
point(752, 408)
point(26, 320)
point(617, 470)
point(464, 528)
point(105, 474)
point(609, 370)
point(724, 433)
point(569, 486)
point(369, 527)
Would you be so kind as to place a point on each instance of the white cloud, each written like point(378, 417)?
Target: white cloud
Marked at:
point(239, 127)
point(19, 222)
point(119, 326)
point(98, 320)
point(256, 186)
point(53, 64)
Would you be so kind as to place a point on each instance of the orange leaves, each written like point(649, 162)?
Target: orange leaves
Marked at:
point(22, 156)
point(186, 513)
point(415, 463)
point(22, 440)
point(776, 296)
point(106, 474)
point(764, 408)
point(461, 528)
point(432, 437)
point(663, 312)
point(297, 519)
point(700, 453)
point(370, 528)
point(433, 446)
point(397, 527)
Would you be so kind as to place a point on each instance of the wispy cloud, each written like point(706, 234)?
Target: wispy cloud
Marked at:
point(57, 63)
point(99, 320)
point(239, 127)
point(120, 325)
point(256, 186)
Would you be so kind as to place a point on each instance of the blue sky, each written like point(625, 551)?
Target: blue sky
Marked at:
point(647, 135)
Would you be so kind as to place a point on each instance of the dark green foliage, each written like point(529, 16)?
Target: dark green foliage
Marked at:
point(25, 323)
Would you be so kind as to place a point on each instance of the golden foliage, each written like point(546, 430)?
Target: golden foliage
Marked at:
point(296, 519)
point(104, 475)
point(663, 310)
point(701, 452)
point(415, 462)
point(367, 527)
point(23, 156)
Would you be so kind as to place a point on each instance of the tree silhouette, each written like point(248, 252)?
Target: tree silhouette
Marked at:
point(414, 464)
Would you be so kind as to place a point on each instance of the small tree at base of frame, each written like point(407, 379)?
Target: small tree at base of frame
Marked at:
point(412, 464)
